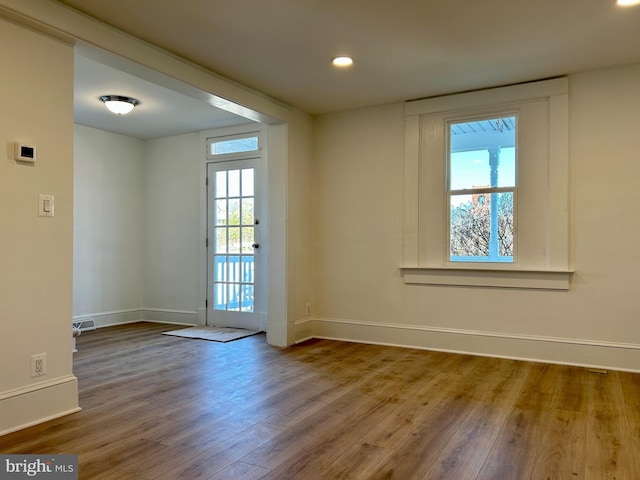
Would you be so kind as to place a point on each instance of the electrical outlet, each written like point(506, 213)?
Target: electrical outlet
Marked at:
point(38, 364)
point(308, 309)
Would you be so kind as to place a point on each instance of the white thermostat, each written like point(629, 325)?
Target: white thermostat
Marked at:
point(25, 153)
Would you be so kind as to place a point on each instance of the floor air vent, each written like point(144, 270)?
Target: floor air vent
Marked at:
point(85, 325)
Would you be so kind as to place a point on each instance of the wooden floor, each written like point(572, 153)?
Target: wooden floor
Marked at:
point(161, 407)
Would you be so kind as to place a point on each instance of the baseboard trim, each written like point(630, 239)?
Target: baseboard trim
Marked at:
point(565, 351)
point(113, 318)
point(176, 317)
point(33, 404)
point(134, 315)
point(303, 330)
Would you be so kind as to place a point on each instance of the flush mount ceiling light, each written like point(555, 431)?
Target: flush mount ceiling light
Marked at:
point(118, 104)
point(627, 3)
point(342, 61)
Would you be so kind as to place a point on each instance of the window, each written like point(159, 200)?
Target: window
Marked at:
point(234, 145)
point(486, 188)
point(481, 189)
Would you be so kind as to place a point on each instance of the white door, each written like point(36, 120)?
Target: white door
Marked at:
point(235, 270)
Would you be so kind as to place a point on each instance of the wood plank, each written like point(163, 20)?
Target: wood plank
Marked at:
point(156, 406)
point(466, 452)
point(518, 445)
point(240, 470)
point(611, 449)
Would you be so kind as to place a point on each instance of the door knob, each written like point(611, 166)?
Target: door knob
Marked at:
point(255, 245)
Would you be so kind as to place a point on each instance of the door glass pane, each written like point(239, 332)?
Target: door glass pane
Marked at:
point(234, 269)
point(247, 269)
point(234, 297)
point(221, 212)
point(247, 182)
point(234, 239)
point(247, 298)
point(220, 268)
point(219, 296)
point(247, 211)
point(221, 184)
point(221, 240)
point(234, 211)
point(234, 183)
point(247, 239)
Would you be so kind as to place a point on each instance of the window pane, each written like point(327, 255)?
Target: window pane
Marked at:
point(469, 228)
point(482, 153)
point(481, 228)
point(234, 146)
point(505, 224)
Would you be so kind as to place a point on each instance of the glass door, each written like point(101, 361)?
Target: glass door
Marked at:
point(234, 266)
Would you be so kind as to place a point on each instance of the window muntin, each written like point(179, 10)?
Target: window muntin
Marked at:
point(481, 189)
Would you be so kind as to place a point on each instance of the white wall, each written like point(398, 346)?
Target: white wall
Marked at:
point(36, 98)
point(299, 183)
point(108, 226)
point(172, 228)
point(36, 257)
point(136, 231)
point(359, 293)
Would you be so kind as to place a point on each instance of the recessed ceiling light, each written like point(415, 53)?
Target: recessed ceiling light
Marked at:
point(342, 61)
point(627, 3)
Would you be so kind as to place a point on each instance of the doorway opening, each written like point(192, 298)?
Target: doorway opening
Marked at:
point(236, 232)
point(139, 213)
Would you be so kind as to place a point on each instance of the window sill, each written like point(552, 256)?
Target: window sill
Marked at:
point(489, 277)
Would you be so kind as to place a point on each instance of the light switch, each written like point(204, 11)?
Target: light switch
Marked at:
point(46, 206)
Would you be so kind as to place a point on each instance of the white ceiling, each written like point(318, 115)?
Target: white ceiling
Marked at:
point(403, 49)
point(162, 112)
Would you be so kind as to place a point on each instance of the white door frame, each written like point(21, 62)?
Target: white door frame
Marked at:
point(258, 319)
point(279, 331)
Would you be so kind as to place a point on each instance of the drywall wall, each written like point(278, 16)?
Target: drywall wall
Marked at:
point(136, 227)
point(172, 228)
point(359, 293)
point(108, 226)
point(36, 94)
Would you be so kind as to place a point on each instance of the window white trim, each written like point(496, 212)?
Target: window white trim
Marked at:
point(484, 276)
point(425, 229)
